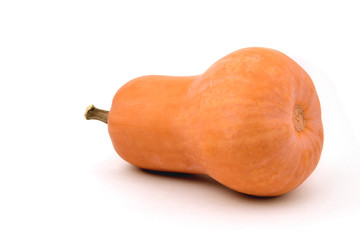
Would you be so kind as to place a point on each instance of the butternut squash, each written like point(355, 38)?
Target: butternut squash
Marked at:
point(252, 122)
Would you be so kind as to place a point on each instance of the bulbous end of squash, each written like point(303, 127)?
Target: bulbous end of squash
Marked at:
point(257, 125)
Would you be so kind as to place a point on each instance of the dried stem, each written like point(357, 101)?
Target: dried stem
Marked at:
point(95, 113)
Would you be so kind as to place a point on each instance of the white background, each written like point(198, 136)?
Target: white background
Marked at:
point(59, 175)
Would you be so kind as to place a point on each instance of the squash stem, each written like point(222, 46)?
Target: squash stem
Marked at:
point(97, 114)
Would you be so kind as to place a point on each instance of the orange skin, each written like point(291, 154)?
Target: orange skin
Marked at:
point(233, 123)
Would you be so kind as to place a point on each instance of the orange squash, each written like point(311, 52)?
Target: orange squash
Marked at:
point(252, 122)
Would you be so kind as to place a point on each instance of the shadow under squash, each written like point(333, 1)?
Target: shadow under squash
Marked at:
point(205, 179)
